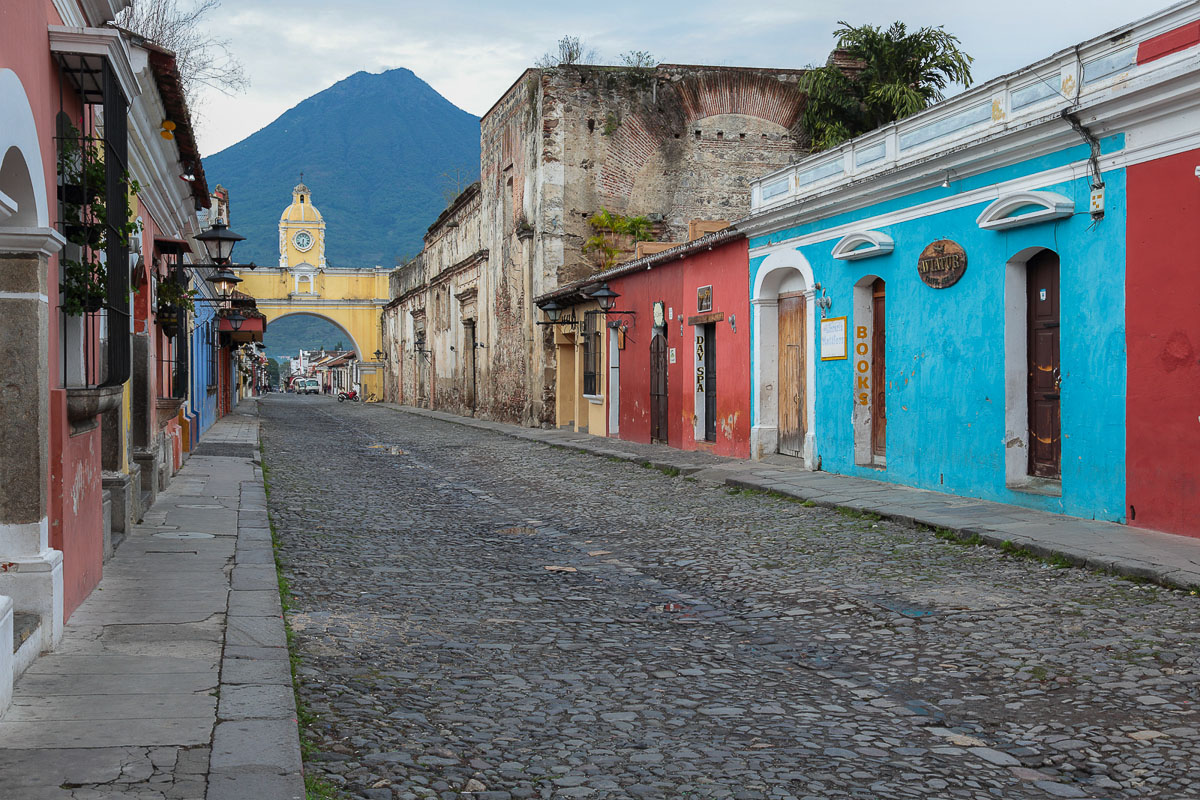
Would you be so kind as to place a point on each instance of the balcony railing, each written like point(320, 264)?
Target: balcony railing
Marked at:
point(1072, 77)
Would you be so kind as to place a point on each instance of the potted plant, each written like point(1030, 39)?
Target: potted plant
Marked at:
point(174, 300)
point(82, 184)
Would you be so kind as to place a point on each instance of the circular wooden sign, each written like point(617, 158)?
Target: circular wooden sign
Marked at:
point(942, 263)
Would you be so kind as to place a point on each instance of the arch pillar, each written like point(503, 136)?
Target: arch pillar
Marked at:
point(32, 580)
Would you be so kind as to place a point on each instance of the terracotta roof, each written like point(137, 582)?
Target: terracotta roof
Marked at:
point(170, 88)
point(573, 292)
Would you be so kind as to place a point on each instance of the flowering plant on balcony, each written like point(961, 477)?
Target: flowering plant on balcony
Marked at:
point(87, 222)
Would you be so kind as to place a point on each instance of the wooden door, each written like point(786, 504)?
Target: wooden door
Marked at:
point(658, 388)
point(791, 374)
point(1045, 447)
point(878, 372)
point(469, 347)
point(710, 382)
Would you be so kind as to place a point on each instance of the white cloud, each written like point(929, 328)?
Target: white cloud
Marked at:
point(472, 51)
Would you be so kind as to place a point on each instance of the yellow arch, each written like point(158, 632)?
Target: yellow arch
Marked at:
point(352, 299)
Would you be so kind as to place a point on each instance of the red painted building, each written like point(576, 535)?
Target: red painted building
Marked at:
point(677, 370)
point(1162, 313)
point(1162, 285)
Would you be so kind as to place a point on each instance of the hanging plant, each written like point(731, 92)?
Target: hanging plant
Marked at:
point(82, 183)
point(172, 294)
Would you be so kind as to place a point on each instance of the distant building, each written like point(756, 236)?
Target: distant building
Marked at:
point(304, 283)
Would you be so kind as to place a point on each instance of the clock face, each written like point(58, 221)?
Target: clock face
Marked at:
point(658, 314)
point(303, 240)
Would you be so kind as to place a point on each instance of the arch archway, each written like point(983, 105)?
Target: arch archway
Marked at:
point(27, 242)
point(354, 345)
point(784, 273)
point(22, 182)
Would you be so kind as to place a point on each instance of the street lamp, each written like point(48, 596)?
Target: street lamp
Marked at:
point(219, 241)
point(553, 311)
point(235, 320)
point(223, 281)
point(605, 297)
point(379, 355)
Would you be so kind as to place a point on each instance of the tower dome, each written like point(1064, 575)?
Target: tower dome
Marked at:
point(301, 233)
point(301, 209)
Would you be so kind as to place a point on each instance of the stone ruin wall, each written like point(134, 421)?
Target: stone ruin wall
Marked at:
point(677, 142)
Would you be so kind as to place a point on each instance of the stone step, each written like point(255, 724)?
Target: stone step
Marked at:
point(24, 626)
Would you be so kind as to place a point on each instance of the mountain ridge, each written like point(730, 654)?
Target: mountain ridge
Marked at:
point(375, 149)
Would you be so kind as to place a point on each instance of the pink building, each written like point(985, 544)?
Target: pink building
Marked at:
point(81, 104)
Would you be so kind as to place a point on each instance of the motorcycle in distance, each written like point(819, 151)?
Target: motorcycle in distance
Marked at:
point(353, 396)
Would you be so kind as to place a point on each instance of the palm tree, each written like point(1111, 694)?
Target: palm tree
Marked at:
point(877, 76)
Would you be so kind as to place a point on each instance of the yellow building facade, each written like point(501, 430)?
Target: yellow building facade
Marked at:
point(304, 283)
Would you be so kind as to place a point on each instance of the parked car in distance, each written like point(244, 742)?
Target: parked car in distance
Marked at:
point(308, 386)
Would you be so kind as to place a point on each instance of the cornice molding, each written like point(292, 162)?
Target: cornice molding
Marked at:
point(39, 241)
point(107, 43)
point(850, 248)
point(998, 216)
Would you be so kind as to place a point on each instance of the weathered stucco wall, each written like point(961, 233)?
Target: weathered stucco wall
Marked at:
point(674, 143)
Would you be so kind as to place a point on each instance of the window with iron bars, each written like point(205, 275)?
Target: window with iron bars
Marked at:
point(172, 344)
point(214, 352)
point(94, 217)
point(592, 321)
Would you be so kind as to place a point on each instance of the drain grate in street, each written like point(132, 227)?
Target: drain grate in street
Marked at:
point(226, 450)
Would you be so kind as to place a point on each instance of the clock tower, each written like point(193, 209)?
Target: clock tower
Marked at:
point(302, 235)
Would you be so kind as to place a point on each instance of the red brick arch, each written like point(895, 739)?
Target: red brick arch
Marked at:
point(763, 94)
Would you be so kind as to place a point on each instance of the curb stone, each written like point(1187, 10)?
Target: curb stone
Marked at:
point(256, 741)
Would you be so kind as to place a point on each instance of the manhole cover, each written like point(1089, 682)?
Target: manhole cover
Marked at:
point(200, 505)
point(183, 535)
point(518, 531)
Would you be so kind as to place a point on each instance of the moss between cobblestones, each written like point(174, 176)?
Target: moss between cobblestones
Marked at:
point(315, 787)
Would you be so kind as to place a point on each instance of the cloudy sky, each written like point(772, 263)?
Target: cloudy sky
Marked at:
point(472, 50)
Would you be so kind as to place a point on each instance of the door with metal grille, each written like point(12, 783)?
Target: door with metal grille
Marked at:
point(710, 382)
point(658, 388)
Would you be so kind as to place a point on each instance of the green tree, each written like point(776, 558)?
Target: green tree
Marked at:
point(886, 75)
point(273, 372)
point(609, 231)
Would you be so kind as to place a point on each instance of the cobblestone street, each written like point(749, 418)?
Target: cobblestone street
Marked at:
point(479, 614)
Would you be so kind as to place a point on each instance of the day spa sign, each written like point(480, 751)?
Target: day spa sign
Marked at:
point(942, 263)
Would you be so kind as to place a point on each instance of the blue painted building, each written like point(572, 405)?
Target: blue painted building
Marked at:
point(204, 350)
point(941, 303)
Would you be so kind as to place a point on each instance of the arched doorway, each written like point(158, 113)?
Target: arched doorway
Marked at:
point(783, 375)
point(1032, 370)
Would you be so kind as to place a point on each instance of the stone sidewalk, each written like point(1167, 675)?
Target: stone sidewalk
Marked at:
point(1163, 558)
point(173, 679)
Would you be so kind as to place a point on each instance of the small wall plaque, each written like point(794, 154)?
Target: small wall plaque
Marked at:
point(704, 299)
point(942, 263)
point(833, 339)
